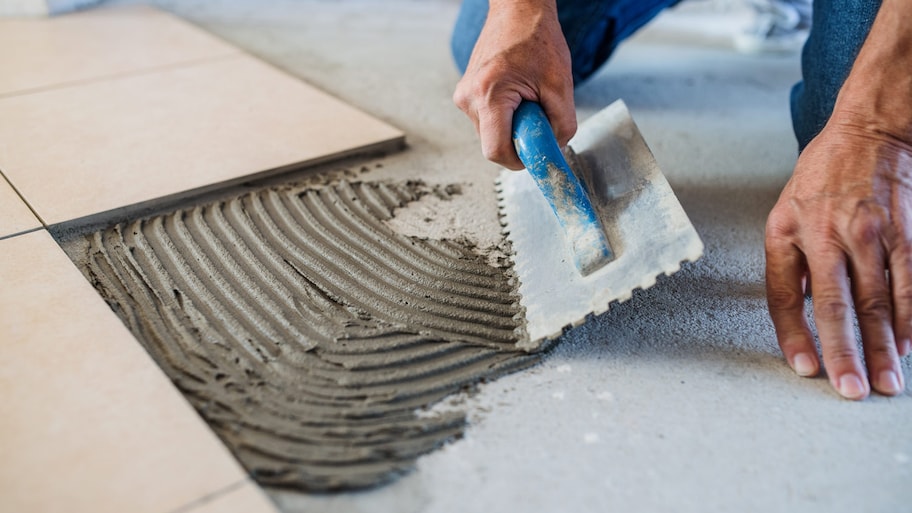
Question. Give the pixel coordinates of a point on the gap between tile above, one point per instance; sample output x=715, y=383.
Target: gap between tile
x=24, y=232
x=77, y=47
x=207, y=500
x=16, y=214
x=114, y=76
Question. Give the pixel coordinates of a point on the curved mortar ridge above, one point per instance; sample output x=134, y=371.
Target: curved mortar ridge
x=306, y=332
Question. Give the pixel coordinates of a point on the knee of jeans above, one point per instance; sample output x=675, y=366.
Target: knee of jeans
x=798, y=117
x=810, y=113
x=588, y=61
x=471, y=18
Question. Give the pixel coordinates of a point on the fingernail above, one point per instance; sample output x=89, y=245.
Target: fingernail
x=851, y=387
x=889, y=382
x=903, y=347
x=804, y=364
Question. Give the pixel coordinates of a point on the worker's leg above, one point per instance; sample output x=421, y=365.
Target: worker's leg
x=593, y=28
x=838, y=30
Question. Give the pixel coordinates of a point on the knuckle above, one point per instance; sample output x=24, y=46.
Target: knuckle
x=841, y=355
x=902, y=295
x=564, y=134
x=794, y=341
x=830, y=309
x=881, y=352
x=478, y=86
x=865, y=230
x=461, y=99
x=490, y=153
x=873, y=307
x=783, y=298
x=498, y=153
x=486, y=83
x=779, y=224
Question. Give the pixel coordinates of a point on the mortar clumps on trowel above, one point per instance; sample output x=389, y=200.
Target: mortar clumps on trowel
x=588, y=225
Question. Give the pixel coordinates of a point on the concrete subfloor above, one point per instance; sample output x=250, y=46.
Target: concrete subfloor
x=678, y=400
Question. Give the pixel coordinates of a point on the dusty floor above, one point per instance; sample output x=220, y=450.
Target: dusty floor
x=677, y=400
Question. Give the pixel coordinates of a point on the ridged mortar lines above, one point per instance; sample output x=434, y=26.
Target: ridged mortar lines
x=306, y=331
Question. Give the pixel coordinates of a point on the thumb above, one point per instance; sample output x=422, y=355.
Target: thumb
x=495, y=128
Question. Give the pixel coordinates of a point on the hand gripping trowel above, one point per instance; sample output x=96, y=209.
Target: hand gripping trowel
x=590, y=225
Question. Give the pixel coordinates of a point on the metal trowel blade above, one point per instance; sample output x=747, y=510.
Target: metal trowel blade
x=650, y=233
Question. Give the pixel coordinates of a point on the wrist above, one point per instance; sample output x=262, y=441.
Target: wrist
x=496, y=5
x=875, y=96
x=523, y=8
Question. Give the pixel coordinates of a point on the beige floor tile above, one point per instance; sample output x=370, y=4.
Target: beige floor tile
x=88, y=422
x=47, y=52
x=87, y=149
x=15, y=216
x=247, y=498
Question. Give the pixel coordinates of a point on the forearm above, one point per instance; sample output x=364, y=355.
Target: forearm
x=877, y=95
x=520, y=19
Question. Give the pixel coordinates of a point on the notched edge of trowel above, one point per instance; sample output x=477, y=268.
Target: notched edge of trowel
x=547, y=341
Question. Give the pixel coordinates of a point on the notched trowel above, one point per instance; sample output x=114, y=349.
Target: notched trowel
x=591, y=224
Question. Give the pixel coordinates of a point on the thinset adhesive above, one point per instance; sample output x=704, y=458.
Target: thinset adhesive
x=307, y=332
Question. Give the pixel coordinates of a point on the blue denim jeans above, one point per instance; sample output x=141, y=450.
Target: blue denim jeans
x=594, y=28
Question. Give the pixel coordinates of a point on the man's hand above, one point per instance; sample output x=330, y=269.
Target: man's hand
x=521, y=54
x=845, y=221
x=843, y=224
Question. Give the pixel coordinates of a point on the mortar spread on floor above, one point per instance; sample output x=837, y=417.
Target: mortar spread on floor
x=306, y=331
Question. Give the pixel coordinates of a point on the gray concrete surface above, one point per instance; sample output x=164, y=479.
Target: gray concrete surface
x=678, y=400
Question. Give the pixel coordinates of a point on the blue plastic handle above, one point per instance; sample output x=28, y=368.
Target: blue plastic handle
x=538, y=150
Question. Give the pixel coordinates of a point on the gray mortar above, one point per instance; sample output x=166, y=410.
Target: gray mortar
x=306, y=331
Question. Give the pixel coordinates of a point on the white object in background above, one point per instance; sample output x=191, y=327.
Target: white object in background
x=41, y=7
x=780, y=26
